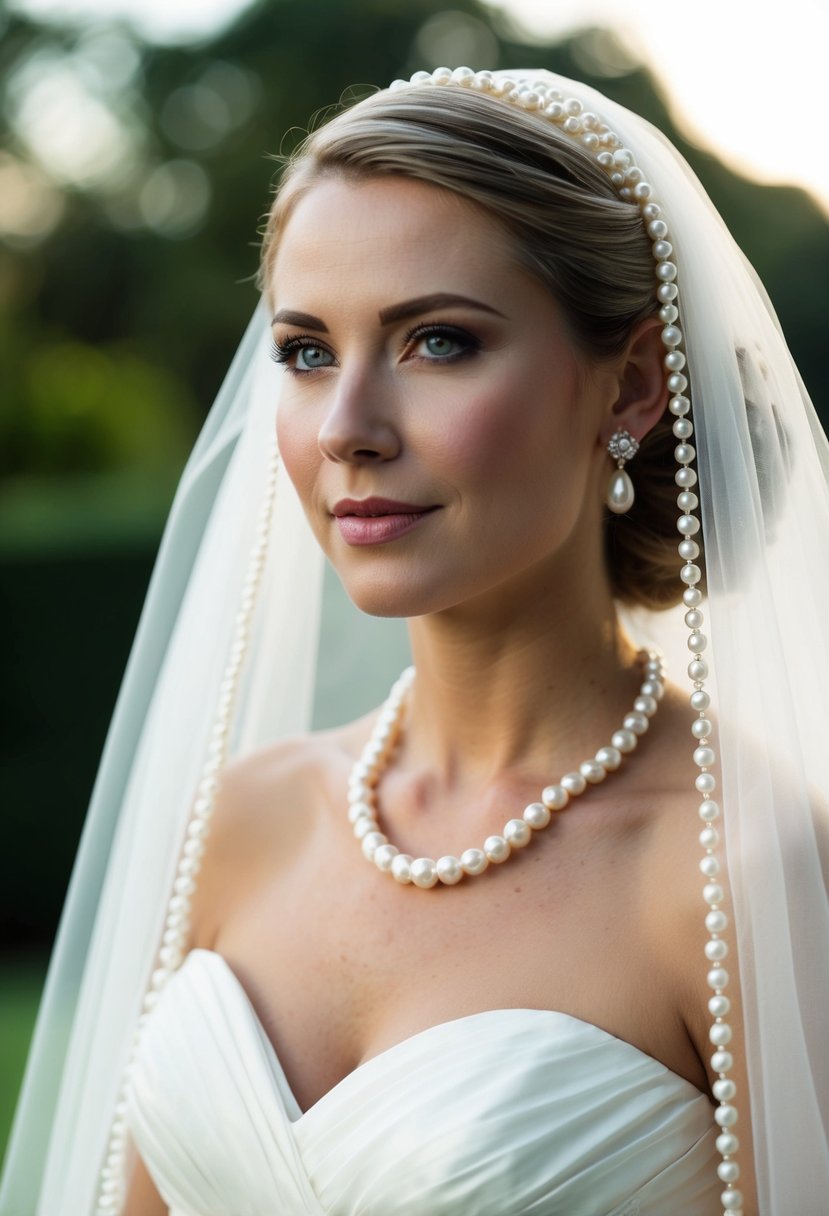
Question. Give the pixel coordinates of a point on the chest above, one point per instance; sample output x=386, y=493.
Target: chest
x=342, y=963
x=511, y=1110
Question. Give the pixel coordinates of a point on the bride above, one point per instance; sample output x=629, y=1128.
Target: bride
x=537, y=935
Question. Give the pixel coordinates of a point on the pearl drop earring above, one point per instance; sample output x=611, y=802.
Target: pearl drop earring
x=622, y=447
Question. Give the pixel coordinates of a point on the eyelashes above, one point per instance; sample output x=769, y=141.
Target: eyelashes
x=292, y=349
x=467, y=343
x=283, y=352
x=280, y=351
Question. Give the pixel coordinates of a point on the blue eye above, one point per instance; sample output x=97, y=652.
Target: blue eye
x=310, y=357
x=442, y=343
x=301, y=355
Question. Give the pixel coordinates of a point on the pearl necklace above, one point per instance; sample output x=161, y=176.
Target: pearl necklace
x=424, y=871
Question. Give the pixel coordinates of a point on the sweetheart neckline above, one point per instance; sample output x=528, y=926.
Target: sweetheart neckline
x=438, y=1027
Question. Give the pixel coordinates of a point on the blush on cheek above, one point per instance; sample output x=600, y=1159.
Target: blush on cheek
x=498, y=435
x=300, y=455
x=301, y=461
x=477, y=438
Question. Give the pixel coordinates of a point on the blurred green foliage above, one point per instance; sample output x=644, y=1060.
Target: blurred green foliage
x=21, y=981
x=90, y=408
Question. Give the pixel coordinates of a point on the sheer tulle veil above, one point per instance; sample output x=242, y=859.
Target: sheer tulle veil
x=763, y=466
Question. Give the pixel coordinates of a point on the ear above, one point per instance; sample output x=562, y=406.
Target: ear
x=642, y=392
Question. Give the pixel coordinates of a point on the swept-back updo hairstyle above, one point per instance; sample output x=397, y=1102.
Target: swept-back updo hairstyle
x=568, y=227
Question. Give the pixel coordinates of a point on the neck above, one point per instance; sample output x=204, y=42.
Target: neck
x=534, y=679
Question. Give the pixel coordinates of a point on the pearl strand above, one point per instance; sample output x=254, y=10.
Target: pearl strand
x=425, y=872
x=177, y=920
x=569, y=115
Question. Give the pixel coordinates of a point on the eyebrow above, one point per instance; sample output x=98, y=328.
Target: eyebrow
x=441, y=299
x=395, y=312
x=304, y=320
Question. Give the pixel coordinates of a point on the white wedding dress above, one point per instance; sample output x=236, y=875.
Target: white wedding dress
x=500, y=1113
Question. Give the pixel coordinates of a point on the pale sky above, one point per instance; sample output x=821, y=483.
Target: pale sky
x=748, y=82
x=747, y=79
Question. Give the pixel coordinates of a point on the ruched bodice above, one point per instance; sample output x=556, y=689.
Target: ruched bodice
x=500, y=1113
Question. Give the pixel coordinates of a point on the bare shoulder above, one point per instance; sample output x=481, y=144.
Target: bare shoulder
x=268, y=806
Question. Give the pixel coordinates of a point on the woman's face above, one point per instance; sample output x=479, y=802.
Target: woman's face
x=440, y=427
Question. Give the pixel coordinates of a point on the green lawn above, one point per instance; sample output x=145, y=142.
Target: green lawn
x=21, y=980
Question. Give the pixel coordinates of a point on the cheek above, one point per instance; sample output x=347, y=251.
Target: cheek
x=485, y=436
x=297, y=440
x=516, y=433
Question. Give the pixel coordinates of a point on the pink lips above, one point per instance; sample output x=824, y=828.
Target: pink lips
x=374, y=521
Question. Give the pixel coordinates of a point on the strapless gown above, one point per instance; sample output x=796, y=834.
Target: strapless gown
x=500, y=1113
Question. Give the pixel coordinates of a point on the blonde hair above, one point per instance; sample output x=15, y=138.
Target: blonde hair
x=568, y=228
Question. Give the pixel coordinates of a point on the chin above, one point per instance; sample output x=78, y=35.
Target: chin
x=403, y=593
x=393, y=601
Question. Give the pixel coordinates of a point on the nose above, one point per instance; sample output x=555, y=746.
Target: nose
x=359, y=424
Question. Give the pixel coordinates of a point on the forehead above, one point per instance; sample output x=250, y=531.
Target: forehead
x=388, y=233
